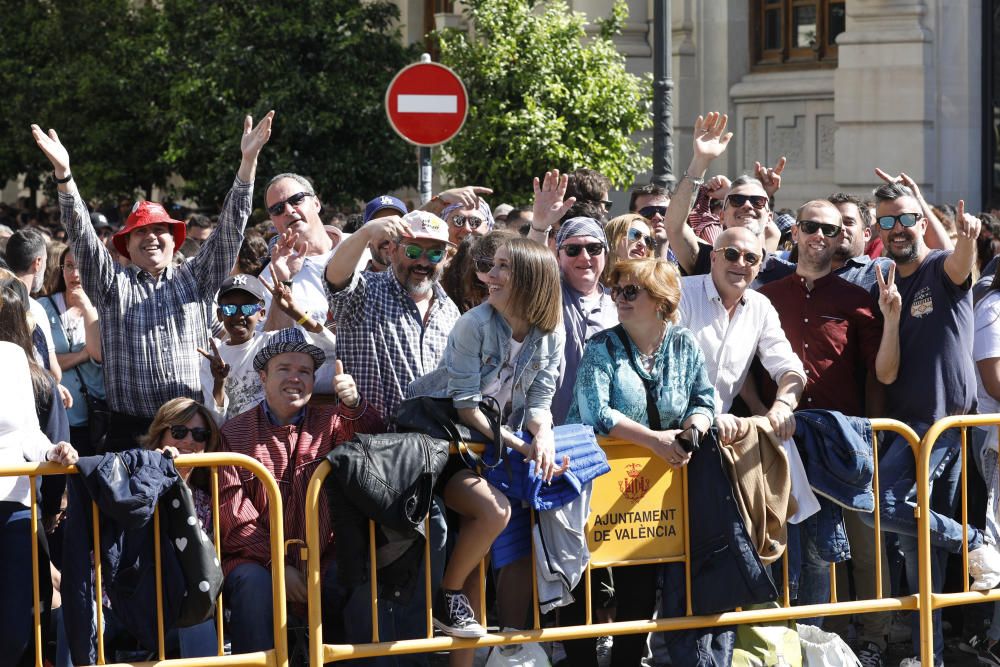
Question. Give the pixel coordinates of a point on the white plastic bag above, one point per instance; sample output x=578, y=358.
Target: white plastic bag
x=518, y=655
x=824, y=649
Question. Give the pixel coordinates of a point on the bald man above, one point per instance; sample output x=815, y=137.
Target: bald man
x=733, y=323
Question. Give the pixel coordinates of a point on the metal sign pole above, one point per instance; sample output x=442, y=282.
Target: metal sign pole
x=425, y=173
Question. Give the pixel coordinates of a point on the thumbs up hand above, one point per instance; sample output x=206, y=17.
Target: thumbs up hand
x=343, y=384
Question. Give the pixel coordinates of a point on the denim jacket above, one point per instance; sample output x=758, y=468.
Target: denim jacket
x=477, y=347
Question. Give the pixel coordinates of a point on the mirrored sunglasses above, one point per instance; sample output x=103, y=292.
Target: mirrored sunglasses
x=247, y=309
x=433, y=255
x=887, y=222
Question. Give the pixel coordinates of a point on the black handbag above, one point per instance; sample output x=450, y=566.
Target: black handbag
x=438, y=418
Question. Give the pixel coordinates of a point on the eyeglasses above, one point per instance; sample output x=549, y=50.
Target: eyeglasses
x=637, y=235
x=629, y=292
x=68, y=267
x=757, y=201
x=198, y=434
x=812, y=226
x=433, y=255
x=649, y=211
x=733, y=255
x=473, y=221
x=247, y=309
x=279, y=207
x=593, y=249
x=906, y=219
x=483, y=264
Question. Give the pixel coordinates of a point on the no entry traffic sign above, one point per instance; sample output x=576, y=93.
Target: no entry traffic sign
x=426, y=104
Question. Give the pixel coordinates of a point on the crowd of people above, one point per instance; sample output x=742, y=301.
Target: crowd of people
x=701, y=325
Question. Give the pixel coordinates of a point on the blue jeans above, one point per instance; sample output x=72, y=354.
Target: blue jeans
x=898, y=498
x=814, y=577
x=198, y=641
x=16, y=620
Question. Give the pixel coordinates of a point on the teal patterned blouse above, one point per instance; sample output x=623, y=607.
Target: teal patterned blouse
x=607, y=387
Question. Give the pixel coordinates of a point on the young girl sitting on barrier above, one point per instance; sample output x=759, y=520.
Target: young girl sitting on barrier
x=508, y=348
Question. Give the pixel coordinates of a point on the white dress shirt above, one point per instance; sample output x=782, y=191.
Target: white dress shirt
x=730, y=344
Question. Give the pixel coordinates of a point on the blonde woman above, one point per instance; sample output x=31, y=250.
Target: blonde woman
x=629, y=237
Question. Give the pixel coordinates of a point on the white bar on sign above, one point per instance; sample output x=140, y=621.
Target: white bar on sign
x=427, y=104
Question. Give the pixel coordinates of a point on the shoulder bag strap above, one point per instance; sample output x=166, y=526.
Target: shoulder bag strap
x=652, y=412
x=75, y=369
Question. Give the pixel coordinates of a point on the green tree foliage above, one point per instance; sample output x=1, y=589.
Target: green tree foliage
x=543, y=94
x=142, y=90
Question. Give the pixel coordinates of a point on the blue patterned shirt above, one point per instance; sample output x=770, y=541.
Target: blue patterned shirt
x=151, y=328
x=607, y=387
x=382, y=340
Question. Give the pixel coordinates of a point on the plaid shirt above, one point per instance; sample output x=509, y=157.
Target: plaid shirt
x=151, y=328
x=381, y=338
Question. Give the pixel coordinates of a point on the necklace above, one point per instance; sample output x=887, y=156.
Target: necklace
x=647, y=360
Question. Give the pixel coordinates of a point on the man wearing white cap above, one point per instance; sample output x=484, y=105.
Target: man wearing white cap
x=392, y=327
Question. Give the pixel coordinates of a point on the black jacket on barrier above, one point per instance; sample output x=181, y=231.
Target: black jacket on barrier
x=725, y=570
x=127, y=487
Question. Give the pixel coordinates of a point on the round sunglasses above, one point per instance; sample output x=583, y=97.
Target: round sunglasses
x=472, y=221
x=733, y=255
x=637, y=235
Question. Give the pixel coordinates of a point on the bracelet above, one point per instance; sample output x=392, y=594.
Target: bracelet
x=66, y=179
x=541, y=231
x=286, y=283
x=781, y=400
x=696, y=182
x=303, y=319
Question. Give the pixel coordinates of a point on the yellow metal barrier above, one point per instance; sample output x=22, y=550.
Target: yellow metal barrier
x=277, y=657
x=929, y=600
x=660, y=494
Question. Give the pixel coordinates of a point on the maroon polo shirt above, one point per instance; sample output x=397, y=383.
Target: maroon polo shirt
x=836, y=333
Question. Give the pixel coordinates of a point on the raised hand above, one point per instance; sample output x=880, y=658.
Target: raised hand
x=288, y=255
x=718, y=187
x=770, y=177
x=53, y=149
x=281, y=298
x=389, y=228
x=254, y=138
x=889, y=300
x=344, y=386
x=967, y=225
x=710, y=136
x=467, y=196
x=902, y=178
x=549, y=206
x=220, y=369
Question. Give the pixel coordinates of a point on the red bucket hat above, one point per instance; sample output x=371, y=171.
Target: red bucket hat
x=148, y=213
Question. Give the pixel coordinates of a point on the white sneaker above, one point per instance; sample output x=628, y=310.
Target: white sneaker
x=984, y=568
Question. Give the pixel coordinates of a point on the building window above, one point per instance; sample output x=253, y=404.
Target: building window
x=795, y=32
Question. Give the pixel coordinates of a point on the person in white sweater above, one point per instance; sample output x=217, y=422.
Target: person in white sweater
x=20, y=440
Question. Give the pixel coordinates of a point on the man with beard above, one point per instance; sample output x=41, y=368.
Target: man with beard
x=849, y=259
x=831, y=326
x=392, y=327
x=936, y=379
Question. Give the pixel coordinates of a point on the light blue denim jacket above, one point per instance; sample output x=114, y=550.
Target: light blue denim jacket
x=477, y=347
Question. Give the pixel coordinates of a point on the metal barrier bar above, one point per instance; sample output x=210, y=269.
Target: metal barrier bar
x=929, y=600
x=321, y=653
x=277, y=657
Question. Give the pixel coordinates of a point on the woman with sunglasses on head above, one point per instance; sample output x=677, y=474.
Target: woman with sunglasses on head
x=629, y=237
x=465, y=278
x=183, y=426
x=644, y=381
x=509, y=349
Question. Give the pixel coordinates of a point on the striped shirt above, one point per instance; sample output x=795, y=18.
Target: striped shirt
x=151, y=328
x=383, y=341
x=706, y=225
x=291, y=453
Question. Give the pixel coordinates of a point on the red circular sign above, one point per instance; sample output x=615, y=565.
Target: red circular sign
x=426, y=104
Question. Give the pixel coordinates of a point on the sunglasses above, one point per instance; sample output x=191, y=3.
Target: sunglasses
x=433, y=255
x=906, y=219
x=811, y=227
x=757, y=201
x=593, y=249
x=733, y=255
x=483, y=264
x=607, y=203
x=296, y=199
x=649, y=211
x=198, y=434
x=473, y=221
x=247, y=309
x=629, y=292
x=637, y=235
